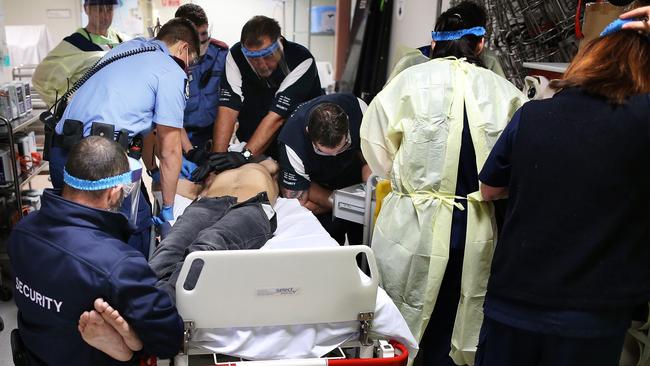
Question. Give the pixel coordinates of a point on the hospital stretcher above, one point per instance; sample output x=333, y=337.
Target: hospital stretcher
x=284, y=287
x=297, y=230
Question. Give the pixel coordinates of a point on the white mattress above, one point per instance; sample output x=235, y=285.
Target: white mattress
x=299, y=228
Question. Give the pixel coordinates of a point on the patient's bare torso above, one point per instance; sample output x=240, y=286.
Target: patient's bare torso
x=243, y=183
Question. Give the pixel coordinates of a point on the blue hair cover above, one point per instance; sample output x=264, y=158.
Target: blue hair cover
x=133, y=175
x=616, y=26
x=457, y=34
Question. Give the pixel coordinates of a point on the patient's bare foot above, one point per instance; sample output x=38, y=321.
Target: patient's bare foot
x=113, y=318
x=101, y=335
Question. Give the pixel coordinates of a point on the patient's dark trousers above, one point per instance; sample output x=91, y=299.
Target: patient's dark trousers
x=211, y=224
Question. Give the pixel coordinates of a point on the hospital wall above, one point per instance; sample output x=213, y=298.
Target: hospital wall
x=227, y=20
x=413, y=21
x=52, y=13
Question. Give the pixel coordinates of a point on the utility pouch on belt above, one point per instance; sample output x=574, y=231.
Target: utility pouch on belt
x=123, y=139
x=73, y=132
x=102, y=130
x=49, y=122
x=135, y=147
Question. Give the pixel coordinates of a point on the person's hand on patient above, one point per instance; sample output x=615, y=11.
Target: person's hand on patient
x=198, y=155
x=218, y=162
x=643, y=24
x=187, y=168
x=166, y=214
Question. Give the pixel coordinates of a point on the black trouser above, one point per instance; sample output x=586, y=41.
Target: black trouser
x=436, y=341
x=211, y=224
x=502, y=345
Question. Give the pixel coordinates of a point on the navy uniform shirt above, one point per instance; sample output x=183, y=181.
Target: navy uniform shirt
x=243, y=91
x=64, y=257
x=201, y=108
x=568, y=323
x=299, y=163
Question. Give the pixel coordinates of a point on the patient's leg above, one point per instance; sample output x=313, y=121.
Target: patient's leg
x=197, y=216
x=245, y=226
x=99, y=334
x=114, y=319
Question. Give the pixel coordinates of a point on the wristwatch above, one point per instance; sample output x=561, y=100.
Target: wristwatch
x=247, y=153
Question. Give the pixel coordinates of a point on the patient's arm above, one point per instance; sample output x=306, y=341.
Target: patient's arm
x=243, y=183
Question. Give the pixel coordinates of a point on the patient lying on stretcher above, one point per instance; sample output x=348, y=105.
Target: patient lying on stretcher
x=232, y=210
x=244, y=225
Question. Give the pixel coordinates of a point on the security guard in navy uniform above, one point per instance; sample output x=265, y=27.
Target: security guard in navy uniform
x=130, y=97
x=267, y=77
x=319, y=152
x=73, y=251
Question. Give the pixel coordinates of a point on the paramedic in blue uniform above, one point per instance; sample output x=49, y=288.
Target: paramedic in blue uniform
x=267, y=77
x=571, y=264
x=73, y=251
x=319, y=152
x=137, y=94
x=205, y=77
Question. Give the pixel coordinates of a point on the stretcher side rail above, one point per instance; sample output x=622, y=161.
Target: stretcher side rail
x=256, y=288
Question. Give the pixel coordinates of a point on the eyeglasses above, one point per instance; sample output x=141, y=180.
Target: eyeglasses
x=346, y=146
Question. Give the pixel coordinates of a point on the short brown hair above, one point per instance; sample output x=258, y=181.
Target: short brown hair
x=193, y=12
x=257, y=27
x=614, y=67
x=327, y=124
x=180, y=29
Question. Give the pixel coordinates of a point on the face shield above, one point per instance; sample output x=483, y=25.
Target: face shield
x=98, y=16
x=129, y=182
x=265, y=61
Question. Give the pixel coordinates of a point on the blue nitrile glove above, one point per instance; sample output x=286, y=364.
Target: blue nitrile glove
x=187, y=168
x=165, y=215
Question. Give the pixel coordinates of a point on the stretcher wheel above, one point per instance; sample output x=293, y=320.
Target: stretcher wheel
x=5, y=294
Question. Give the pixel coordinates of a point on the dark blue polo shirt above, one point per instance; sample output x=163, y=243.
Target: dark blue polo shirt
x=300, y=164
x=243, y=91
x=554, y=321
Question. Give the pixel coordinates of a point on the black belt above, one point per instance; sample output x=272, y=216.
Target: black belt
x=66, y=142
x=73, y=133
x=193, y=129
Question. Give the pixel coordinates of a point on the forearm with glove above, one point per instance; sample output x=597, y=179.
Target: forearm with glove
x=218, y=162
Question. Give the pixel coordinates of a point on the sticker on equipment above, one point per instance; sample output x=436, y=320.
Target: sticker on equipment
x=279, y=291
